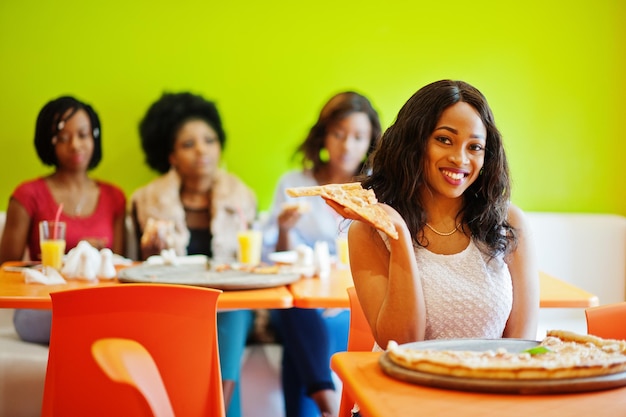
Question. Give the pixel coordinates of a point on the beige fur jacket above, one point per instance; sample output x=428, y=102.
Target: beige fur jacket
x=231, y=198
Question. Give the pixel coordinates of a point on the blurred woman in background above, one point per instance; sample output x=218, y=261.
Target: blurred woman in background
x=68, y=136
x=204, y=206
x=333, y=152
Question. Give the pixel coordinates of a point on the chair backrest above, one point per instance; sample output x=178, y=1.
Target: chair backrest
x=607, y=321
x=175, y=323
x=128, y=362
x=360, y=339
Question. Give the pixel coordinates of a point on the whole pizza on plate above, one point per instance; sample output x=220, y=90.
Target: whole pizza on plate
x=561, y=355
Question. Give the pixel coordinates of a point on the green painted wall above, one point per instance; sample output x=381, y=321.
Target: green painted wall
x=552, y=71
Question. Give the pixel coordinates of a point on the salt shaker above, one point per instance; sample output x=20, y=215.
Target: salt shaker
x=321, y=259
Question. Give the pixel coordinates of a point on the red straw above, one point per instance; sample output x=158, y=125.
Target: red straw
x=56, y=221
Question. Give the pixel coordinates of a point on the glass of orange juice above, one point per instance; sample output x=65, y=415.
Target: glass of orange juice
x=249, y=249
x=343, y=257
x=52, y=243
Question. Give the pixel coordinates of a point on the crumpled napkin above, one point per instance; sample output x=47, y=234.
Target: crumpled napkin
x=87, y=263
x=49, y=276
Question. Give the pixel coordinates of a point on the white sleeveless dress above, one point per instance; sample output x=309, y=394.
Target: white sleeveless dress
x=467, y=295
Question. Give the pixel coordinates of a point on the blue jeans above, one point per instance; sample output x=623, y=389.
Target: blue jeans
x=309, y=338
x=33, y=325
x=232, y=332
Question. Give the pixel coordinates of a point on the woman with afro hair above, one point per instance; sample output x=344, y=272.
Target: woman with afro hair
x=203, y=205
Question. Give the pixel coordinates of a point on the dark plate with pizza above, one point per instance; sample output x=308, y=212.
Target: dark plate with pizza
x=563, y=362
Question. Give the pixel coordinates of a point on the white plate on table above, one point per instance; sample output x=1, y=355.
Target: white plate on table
x=200, y=275
x=180, y=260
x=285, y=257
x=290, y=257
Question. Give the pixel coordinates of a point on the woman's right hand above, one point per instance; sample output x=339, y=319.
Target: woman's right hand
x=288, y=218
x=152, y=247
x=155, y=237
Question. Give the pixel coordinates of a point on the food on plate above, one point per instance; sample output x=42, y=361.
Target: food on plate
x=561, y=354
x=257, y=269
x=355, y=197
x=266, y=269
x=283, y=257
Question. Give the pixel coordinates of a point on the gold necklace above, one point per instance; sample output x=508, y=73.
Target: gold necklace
x=444, y=234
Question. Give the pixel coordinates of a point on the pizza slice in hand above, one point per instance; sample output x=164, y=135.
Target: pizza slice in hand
x=353, y=196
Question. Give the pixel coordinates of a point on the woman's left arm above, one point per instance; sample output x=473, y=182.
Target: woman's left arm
x=524, y=271
x=119, y=234
x=119, y=222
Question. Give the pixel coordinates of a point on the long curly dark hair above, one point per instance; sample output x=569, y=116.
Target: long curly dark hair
x=338, y=107
x=47, y=127
x=166, y=116
x=398, y=166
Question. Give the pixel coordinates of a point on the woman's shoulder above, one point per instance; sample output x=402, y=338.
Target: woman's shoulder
x=34, y=184
x=31, y=188
x=109, y=187
x=230, y=186
x=230, y=179
x=516, y=217
x=297, y=178
x=168, y=183
x=113, y=193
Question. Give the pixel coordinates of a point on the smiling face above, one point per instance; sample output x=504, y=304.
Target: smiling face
x=455, y=151
x=347, y=142
x=196, y=151
x=74, y=143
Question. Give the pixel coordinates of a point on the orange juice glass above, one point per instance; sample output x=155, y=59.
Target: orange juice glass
x=343, y=257
x=52, y=243
x=249, y=250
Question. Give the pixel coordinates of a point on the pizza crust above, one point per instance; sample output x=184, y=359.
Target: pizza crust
x=571, y=356
x=355, y=197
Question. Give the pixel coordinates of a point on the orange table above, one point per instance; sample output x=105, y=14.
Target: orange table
x=557, y=293
x=326, y=293
x=331, y=292
x=381, y=396
x=15, y=293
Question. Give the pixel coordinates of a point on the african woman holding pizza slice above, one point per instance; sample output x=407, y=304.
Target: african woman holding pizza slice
x=463, y=266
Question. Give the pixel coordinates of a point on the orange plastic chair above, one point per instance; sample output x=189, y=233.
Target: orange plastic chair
x=177, y=324
x=607, y=321
x=360, y=339
x=126, y=361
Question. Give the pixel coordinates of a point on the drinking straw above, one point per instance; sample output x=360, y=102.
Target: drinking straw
x=56, y=221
